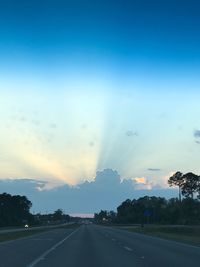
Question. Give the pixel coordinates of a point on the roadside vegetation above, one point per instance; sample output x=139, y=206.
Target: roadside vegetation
x=175, y=218
x=180, y=233
x=16, y=220
x=8, y=236
x=184, y=210
x=15, y=211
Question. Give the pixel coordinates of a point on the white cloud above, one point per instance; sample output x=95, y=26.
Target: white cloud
x=106, y=191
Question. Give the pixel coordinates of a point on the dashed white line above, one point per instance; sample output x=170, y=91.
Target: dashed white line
x=41, y=239
x=127, y=248
x=51, y=249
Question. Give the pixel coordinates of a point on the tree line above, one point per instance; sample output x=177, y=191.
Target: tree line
x=188, y=184
x=15, y=211
x=56, y=217
x=182, y=210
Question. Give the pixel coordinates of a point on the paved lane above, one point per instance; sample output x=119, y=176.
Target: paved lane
x=89, y=247
x=19, y=253
x=103, y=246
x=96, y=246
x=155, y=251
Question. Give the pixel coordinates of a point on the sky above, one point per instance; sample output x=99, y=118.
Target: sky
x=87, y=86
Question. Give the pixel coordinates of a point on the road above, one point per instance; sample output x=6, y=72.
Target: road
x=96, y=246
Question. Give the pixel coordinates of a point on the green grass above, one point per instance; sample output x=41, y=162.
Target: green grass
x=29, y=232
x=186, y=234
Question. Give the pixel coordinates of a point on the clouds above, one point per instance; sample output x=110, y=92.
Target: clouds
x=197, y=133
x=154, y=169
x=106, y=191
x=131, y=133
x=142, y=183
x=197, y=136
x=90, y=129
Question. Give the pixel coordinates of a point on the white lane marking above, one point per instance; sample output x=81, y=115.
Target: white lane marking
x=32, y=264
x=41, y=239
x=127, y=248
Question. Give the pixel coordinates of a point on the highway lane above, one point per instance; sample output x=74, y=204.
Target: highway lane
x=20, y=252
x=96, y=246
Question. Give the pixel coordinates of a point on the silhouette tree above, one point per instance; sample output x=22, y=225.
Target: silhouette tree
x=125, y=211
x=177, y=180
x=174, y=211
x=14, y=210
x=190, y=185
x=154, y=210
x=58, y=215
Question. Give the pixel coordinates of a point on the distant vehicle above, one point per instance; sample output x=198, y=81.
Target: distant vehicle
x=26, y=226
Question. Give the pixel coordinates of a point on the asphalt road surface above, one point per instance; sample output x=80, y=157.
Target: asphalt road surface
x=96, y=246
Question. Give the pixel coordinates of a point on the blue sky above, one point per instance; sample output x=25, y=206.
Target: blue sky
x=91, y=85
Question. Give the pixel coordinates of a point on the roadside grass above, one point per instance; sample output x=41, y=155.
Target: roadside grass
x=186, y=234
x=29, y=232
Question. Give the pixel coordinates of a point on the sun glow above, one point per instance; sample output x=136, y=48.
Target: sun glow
x=61, y=143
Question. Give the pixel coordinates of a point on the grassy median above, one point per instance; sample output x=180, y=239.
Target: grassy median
x=31, y=231
x=186, y=234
